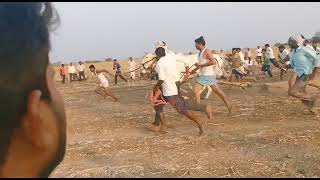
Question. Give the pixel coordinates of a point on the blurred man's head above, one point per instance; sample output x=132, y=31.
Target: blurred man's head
x=62, y=65
x=160, y=52
x=281, y=48
x=32, y=126
x=264, y=51
x=295, y=41
x=266, y=46
x=80, y=62
x=92, y=68
x=130, y=58
x=200, y=43
x=234, y=50
x=71, y=64
x=258, y=47
x=306, y=42
x=114, y=60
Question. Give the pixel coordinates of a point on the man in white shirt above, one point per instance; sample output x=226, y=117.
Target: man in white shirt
x=259, y=55
x=131, y=68
x=166, y=68
x=81, y=69
x=284, y=59
x=72, y=72
x=207, y=76
x=270, y=55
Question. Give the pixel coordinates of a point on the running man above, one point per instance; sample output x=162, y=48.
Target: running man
x=207, y=76
x=166, y=68
x=270, y=55
x=284, y=59
x=131, y=68
x=266, y=67
x=305, y=63
x=237, y=65
x=104, y=84
x=117, y=68
x=259, y=55
x=191, y=105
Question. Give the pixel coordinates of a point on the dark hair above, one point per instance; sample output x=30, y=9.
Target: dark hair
x=264, y=49
x=92, y=66
x=267, y=45
x=114, y=59
x=160, y=52
x=62, y=64
x=200, y=40
x=281, y=46
x=24, y=26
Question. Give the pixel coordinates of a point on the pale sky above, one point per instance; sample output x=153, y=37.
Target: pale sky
x=98, y=30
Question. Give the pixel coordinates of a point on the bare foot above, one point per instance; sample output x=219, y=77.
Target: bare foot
x=154, y=128
x=163, y=130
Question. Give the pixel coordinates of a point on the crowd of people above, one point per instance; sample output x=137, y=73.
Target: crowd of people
x=78, y=73
x=33, y=118
x=75, y=74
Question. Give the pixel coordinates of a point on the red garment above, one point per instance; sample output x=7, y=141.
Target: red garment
x=62, y=71
x=155, y=98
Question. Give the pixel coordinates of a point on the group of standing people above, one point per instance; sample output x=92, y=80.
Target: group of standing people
x=72, y=71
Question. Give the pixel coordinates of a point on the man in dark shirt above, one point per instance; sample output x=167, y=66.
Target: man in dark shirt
x=117, y=67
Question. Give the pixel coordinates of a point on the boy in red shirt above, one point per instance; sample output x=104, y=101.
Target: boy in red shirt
x=63, y=73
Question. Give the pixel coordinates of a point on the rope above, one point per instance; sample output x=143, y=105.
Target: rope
x=141, y=66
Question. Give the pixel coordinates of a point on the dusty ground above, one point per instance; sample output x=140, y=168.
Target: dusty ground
x=269, y=135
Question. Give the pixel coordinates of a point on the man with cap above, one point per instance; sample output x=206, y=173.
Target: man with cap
x=306, y=64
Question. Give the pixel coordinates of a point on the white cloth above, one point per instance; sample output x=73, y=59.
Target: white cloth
x=269, y=51
x=241, y=56
x=71, y=69
x=284, y=54
x=131, y=65
x=81, y=67
x=167, y=71
x=249, y=53
x=218, y=66
x=247, y=63
x=208, y=70
x=310, y=47
x=298, y=39
x=103, y=80
x=259, y=52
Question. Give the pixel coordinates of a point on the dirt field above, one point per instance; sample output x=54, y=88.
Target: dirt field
x=269, y=135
